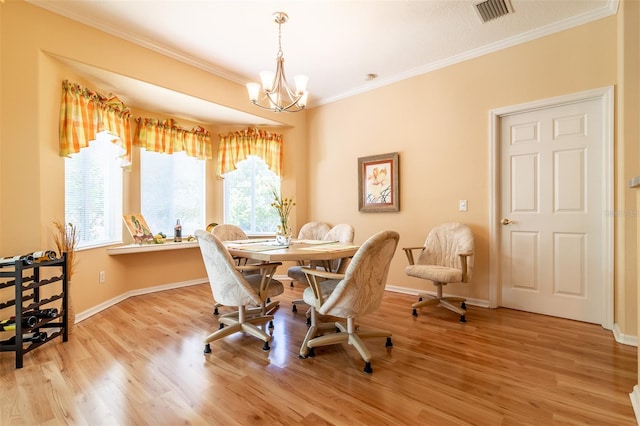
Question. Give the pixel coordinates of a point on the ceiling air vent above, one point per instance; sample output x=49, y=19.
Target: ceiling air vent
x=492, y=9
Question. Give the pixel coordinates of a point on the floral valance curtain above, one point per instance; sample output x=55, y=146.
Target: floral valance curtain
x=237, y=146
x=167, y=137
x=84, y=113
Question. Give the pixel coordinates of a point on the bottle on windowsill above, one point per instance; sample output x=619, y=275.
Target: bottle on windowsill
x=177, y=232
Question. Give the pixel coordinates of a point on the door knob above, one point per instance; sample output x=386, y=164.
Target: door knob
x=506, y=221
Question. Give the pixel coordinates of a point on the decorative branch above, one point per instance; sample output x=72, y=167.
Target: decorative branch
x=65, y=238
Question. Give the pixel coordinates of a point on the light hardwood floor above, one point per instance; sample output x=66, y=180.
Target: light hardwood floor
x=141, y=362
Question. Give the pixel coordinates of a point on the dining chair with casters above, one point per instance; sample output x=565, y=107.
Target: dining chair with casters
x=311, y=231
x=350, y=296
x=228, y=232
x=445, y=258
x=241, y=286
x=342, y=233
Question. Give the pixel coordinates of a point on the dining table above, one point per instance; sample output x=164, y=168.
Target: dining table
x=267, y=250
x=301, y=251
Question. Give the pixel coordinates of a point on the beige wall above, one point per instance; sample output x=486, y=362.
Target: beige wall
x=628, y=153
x=627, y=168
x=439, y=125
x=438, y=122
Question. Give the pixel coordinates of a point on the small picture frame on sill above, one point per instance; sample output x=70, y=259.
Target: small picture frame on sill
x=378, y=186
x=138, y=228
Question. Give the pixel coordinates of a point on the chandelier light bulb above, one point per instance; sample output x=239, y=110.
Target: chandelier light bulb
x=301, y=83
x=254, y=91
x=267, y=78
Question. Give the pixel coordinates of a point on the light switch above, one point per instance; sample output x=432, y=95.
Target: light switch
x=462, y=205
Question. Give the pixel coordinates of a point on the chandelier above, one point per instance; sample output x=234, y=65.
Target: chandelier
x=277, y=96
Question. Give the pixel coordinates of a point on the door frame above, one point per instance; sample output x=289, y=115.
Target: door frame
x=606, y=96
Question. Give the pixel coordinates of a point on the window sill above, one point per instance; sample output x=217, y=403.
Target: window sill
x=145, y=248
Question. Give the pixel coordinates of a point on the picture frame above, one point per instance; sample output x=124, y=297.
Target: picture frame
x=378, y=184
x=138, y=228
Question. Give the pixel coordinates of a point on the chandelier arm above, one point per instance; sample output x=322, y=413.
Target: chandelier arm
x=288, y=108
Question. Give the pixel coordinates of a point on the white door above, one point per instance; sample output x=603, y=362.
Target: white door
x=552, y=215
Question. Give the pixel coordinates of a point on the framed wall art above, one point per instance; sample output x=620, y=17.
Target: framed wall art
x=378, y=186
x=138, y=228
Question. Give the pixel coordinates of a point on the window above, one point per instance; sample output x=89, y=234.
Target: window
x=248, y=196
x=172, y=187
x=93, y=192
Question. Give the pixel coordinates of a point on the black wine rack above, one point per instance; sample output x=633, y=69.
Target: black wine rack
x=24, y=277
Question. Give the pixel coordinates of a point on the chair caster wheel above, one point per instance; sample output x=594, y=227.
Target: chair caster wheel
x=271, y=327
x=221, y=327
x=415, y=312
x=308, y=321
x=266, y=347
x=463, y=305
x=463, y=318
x=419, y=299
x=291, y=284
x=311, y=353
x=294, y=308
x=367, y=368
x=215, y=311
x=389, y=343
x=207, y=349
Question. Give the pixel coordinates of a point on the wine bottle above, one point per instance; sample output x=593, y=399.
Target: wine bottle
x=27, y=320
x=177, y=232
x=10, y=324
x=42, y=313
x=36, y=337
x=27, y=259
x=40, y=336
x=39, y=256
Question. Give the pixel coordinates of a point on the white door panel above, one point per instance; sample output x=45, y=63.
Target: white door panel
x=551, y=192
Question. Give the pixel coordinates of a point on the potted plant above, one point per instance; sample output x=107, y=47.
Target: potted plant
x=283, y=206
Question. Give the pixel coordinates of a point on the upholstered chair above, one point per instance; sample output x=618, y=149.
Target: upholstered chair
x=342, y=233
x=311, y=231
x=239, y=286
x=445, y=258
x=228, y=232
x=350, y=296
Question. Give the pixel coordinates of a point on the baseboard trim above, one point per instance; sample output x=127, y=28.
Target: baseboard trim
x=635, y=402
x=109, y=303
x=625, y=339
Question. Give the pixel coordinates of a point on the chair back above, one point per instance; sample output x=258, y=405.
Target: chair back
x=313, y=231
x=228, y=232
x=228, y=285
x=362, y=288
x=342, y=232
x=445, y=243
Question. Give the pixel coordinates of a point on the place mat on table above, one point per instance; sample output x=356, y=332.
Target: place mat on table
x=313, y=242
x=256, y=247
x=250, y=241
x=330, y=247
